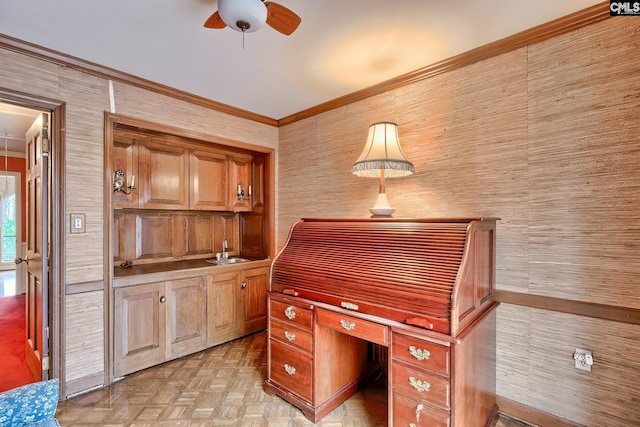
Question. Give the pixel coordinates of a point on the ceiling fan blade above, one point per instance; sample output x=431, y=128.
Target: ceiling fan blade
x=281, y=19
x=215, y=21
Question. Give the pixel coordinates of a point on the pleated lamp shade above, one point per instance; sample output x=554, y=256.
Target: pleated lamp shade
x=382, y=157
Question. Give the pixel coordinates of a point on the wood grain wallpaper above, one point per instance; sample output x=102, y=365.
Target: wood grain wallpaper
x=545, y=137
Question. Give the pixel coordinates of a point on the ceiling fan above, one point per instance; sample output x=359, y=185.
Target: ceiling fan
x=249, y=15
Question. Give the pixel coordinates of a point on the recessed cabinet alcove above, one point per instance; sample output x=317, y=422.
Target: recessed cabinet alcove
x=173, y=199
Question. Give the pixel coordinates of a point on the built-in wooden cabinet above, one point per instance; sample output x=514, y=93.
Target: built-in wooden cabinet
x=181, y=199
x=182, y=176
x=158, y=321
x=237, y=304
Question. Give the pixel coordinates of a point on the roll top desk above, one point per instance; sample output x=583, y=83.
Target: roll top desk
x=342, y=289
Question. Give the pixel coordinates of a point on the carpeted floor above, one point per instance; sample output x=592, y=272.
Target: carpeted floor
x=13, y=369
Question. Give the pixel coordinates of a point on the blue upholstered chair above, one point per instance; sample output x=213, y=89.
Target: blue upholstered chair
x=30, y=405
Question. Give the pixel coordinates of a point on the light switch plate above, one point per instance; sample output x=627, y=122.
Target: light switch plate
x=77, y=223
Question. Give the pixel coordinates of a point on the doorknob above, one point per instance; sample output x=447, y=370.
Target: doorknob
x=26, y=259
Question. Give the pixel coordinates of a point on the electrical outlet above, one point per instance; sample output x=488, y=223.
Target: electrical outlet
x=583, y=359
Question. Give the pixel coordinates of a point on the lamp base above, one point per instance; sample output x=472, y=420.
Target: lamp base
x=382, y=207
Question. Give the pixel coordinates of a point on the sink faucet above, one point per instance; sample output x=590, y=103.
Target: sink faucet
x=225, y=254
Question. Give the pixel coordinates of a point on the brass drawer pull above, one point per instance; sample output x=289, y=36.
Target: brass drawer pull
x=290, y=313
x=349, y=326
x=289, y=335
x=419, y=353
x=290, y=369
x=419, y=385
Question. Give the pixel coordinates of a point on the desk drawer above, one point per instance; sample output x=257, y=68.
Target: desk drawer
x=291, y=368
x=369, y=331
x=421, y=386
x=420, y=353
x=290, y=334
x=409, y=413
x=290, y=313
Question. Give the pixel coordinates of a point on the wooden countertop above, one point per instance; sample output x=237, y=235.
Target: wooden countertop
x=138, y=274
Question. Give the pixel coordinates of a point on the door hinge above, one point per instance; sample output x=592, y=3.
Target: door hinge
x=46, y=332
x=45, y=145
x=45, y=363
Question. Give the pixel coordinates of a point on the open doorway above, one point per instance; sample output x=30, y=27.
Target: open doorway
x=14, y=122
x=11, y=279
x=19, y=114
x=10, y=219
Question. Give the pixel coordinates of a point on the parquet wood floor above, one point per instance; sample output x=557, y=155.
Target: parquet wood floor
x=221, y=386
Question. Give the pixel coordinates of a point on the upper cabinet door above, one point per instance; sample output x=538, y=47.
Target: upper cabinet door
x=208, y=177
x=240, y=185
x=164, y=176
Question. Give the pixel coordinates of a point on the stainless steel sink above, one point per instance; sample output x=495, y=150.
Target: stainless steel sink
x=233, y=260
x=228, y=261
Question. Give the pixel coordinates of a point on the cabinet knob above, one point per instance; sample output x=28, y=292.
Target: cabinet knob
x=244, y=285
x=163, y=299
x=289, y=335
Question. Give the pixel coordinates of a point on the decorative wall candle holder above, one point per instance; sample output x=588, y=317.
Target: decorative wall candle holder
x=119, y=182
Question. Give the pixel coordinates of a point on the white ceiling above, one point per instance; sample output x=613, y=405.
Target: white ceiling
x=340, y=47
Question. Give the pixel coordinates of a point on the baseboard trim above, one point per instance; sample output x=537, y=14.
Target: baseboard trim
x=531, y=415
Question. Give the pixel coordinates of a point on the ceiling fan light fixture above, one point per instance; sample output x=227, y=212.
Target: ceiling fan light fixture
x=243, y=15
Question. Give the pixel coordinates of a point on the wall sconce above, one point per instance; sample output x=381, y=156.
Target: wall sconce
x=240, y=192
x=382, y=156
x=119, y=182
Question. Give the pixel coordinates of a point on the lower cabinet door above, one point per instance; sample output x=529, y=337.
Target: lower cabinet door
x=291, y=368
x=156, y=322
x=252, y=293
x=222, y=312
x=139, y=327
x=410, y=413
x=186, y=325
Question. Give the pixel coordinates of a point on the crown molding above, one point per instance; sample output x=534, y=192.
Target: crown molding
x=537, y=34
x=64, y=60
